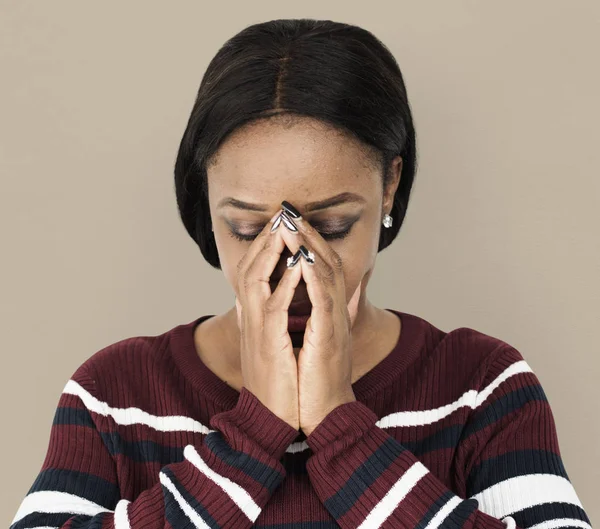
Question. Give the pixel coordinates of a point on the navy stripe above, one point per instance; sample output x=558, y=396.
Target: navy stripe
x=173, y=512
x=80, y=521
x=41, y=519
x=85, y=522
x=363, y=477
x=511, y=464
x=447, y=437
x=502, y=407
x=434, y=509
x=270, y=478
x=76, y=416
x=191, y=500
x=460, y=514
x=80, y=484
x=549, y=511
x=142, y=451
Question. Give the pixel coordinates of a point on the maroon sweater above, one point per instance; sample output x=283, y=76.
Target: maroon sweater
x=450, y=430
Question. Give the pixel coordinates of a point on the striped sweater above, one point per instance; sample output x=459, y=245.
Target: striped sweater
x=450, y=430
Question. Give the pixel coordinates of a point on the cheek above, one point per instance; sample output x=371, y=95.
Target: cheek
x=358, y=254
x=357, y=259
x=359, y=249
x=230, y=254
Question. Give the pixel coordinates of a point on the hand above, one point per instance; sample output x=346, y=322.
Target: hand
x=268, y=365
x=324, y=361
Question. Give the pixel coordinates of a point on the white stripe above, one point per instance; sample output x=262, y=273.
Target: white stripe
x=514, y=369
x=558, y=523
x=522, y=492
x=52, y=502
x=238, y=494
x=128, y=416
x=121, y=515
x=423, y=417
x=194, y=517
x=470, y=398
x=443, y=513
x=176, y=423
x=394, y=496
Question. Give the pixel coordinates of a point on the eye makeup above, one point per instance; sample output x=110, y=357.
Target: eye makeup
x=327, y=231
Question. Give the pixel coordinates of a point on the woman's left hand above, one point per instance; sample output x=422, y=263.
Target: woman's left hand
x=325, y=360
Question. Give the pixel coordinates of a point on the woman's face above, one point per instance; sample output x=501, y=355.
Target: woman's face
x=307, y=163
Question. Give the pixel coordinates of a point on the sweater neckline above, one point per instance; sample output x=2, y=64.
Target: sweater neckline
x=206, y=382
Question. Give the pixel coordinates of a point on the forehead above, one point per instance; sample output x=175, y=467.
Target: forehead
x=303, y=160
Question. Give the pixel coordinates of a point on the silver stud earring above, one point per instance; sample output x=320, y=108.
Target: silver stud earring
x=387, y=220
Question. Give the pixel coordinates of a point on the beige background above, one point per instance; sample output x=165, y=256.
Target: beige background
x=502, y=234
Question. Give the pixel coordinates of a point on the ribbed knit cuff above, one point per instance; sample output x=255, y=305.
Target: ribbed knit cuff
x=349, y=420
x=255, y=422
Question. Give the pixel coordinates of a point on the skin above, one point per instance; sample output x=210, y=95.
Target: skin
x=303, y=161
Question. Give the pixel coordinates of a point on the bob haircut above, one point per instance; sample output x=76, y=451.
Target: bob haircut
x=338, y=73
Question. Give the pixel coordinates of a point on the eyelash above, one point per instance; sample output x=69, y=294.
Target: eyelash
x=327, y=236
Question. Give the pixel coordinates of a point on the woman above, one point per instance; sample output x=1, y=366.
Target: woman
x=304, y=404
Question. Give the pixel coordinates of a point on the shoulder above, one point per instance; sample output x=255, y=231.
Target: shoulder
x=490, y=359
x=468, y=354
x=125, y=372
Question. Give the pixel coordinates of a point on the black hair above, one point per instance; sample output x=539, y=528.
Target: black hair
x=338, y=73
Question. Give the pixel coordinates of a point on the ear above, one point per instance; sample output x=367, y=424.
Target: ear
x=390, y=190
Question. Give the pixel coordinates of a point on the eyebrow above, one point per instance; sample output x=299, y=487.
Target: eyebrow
x=342, y=198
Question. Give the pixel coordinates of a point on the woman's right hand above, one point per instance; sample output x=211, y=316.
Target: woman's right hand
x=268, y=364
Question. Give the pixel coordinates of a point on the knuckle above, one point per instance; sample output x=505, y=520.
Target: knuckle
x=329, y=275
x=246, y=280
x=241, y=263
x=336, y=262
x=328, y=303
x=270, y=306
x=241, y=268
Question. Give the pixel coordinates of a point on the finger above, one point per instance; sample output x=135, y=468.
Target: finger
x=279, y=303
x=256, y=246
x=323, y=283
x=315, y=242
x=258, y=278
x=327, y=277
x=257, y=265
x=326, y=310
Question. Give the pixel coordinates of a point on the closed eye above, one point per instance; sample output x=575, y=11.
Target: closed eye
x=328, y=236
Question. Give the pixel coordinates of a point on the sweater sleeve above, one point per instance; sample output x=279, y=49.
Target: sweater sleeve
x=225, y=482
x=513, y=475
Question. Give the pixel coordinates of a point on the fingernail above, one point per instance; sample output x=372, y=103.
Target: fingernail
x=276, y=223
x=290, y=210
x=291, y=261
x=308, y=255
x=288, y=223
